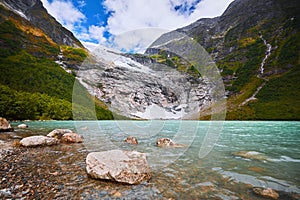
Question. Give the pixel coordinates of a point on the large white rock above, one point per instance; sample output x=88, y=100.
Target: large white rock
x=38, y=140
x=129, y=167
x=22, y=126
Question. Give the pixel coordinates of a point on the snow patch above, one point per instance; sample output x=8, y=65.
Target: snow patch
x=18, y=12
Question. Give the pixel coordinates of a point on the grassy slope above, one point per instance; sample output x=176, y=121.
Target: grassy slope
x=32, y=85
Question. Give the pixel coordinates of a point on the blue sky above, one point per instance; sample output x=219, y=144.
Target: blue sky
x=97, y=22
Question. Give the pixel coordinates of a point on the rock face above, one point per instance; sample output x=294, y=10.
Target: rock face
x=34, y=12
x=131, y=140
x=5, y=126
x=130, y=167
x=167, y=142
x=146, y=91
x=22, y=126
x=71, y=138
x=268, y=193
x=39, y=140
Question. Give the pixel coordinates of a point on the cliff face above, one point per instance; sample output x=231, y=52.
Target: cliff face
x=34, y=12
x=255, y=45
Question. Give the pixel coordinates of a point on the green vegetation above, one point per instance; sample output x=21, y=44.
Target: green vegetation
x=32, y=85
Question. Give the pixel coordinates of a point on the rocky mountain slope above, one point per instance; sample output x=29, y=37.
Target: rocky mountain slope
x=37, y=61
x=255, y=45
x=33, y=11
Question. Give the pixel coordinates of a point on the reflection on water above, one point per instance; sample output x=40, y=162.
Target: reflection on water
x=179, y=173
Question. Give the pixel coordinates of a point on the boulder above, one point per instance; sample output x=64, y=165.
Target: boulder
x=130, y=167
x=58, y=133
x=5, y=126
x=266, y=192
x=38, y=140
x=22, y=126
x=71, y=138
x=131, y=140
x=167, y=142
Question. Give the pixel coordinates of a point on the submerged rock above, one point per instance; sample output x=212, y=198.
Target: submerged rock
x=38, y=140
x=130, y=167
x=266, y=192
x=71, y=138
x=253, y=155
x=5, y=126
x=131, y=140
x=58, y=133
x=22, y=126
x=167, y=142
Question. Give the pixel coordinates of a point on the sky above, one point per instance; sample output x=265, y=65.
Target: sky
x=98, y=22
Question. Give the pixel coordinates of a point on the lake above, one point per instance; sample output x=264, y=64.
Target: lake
x=209, y=166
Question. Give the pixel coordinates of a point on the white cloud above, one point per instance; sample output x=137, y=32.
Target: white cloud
x=129, y=15
x=135, y=14
x=210, y=8
x=65, y=13
x=70, y=17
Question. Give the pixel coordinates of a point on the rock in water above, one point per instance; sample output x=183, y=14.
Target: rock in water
x=266, y=192
x=253, y=155
x=22, y=126
x=5, y=126
x=167, y=142
x=130, y=167
x=71, y=138
x=131, y=140
x=38, y=140
x=58, y=133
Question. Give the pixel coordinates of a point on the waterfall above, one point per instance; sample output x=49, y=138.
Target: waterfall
x=268, y=53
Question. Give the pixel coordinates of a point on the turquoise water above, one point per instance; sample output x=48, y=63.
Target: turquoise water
x=206, y=167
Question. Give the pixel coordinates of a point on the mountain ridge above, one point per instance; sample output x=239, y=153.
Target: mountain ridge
x=238, y=41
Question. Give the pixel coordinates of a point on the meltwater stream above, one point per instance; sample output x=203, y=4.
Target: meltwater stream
x=179, y=173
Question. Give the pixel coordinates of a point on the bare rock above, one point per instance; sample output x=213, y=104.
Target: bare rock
x=5, y=126
x=167, y=142
x=38, y=140
x=22, y=126
x=266, y=192
x=130, y=167
x=131, y=140
x=58, y=133
x=71, y=138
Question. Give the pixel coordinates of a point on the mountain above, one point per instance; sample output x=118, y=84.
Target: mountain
x=255, y=45
x=37, y=61
x=33, y=11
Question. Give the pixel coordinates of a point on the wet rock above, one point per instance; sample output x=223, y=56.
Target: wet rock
x=131, y=140
x=22, y=126
x=71, y=138
x=58, y=133
x=38, y=140
x=167, y=142
x=5, y=126
x=130, y=167
x=266, y=192
x=253, y=155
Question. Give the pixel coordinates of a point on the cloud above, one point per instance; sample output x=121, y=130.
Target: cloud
x=71, y=18
x=92, y=34
x=129, y=15
x=65, y=13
